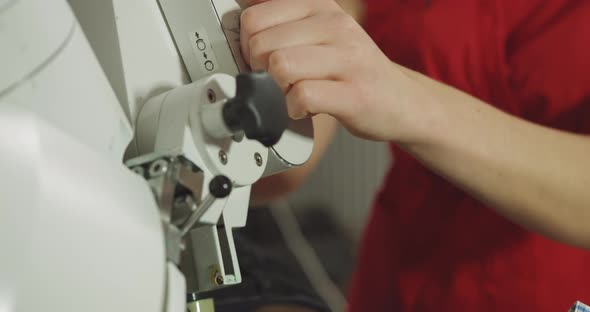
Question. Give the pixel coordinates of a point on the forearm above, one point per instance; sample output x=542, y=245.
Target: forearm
x=270, y=189
x=536, y=176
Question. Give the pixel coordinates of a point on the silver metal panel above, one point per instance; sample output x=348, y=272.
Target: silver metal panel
x=197, y=30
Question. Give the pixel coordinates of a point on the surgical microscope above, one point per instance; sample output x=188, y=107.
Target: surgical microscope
x=131, y=132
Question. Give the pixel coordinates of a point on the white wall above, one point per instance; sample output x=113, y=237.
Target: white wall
x=345, y=181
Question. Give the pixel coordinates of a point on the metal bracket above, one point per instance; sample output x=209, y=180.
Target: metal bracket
x=177, y=185
x=205, y=253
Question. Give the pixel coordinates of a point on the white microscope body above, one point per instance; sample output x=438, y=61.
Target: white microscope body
x=127, y=152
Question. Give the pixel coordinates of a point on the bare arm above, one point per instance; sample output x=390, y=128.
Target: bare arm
x=536, y=176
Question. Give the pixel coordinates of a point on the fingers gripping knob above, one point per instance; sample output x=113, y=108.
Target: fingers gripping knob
x=259, y=108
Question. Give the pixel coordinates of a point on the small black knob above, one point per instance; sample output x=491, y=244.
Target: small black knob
x=220, y=186
x=259, y=108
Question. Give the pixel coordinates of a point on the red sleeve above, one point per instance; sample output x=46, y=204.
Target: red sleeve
x=377, y=13
x=548, y=52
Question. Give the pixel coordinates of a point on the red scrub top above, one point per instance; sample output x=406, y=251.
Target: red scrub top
x=429, y=246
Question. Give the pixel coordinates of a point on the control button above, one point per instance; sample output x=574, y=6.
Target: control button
x=209, y=66
x=201, y=44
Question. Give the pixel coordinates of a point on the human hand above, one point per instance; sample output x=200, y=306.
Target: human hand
x=326, y=63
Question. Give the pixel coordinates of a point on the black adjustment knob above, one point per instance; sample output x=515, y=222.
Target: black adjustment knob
x=220, y=186
x=259, y=108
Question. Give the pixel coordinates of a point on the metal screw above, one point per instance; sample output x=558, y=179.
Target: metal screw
x=158, y=167
x=258, y=159
x=219, y=279
x=211, y=95
x=223, y=157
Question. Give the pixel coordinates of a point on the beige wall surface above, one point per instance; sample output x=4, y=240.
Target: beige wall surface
x=345, y=181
